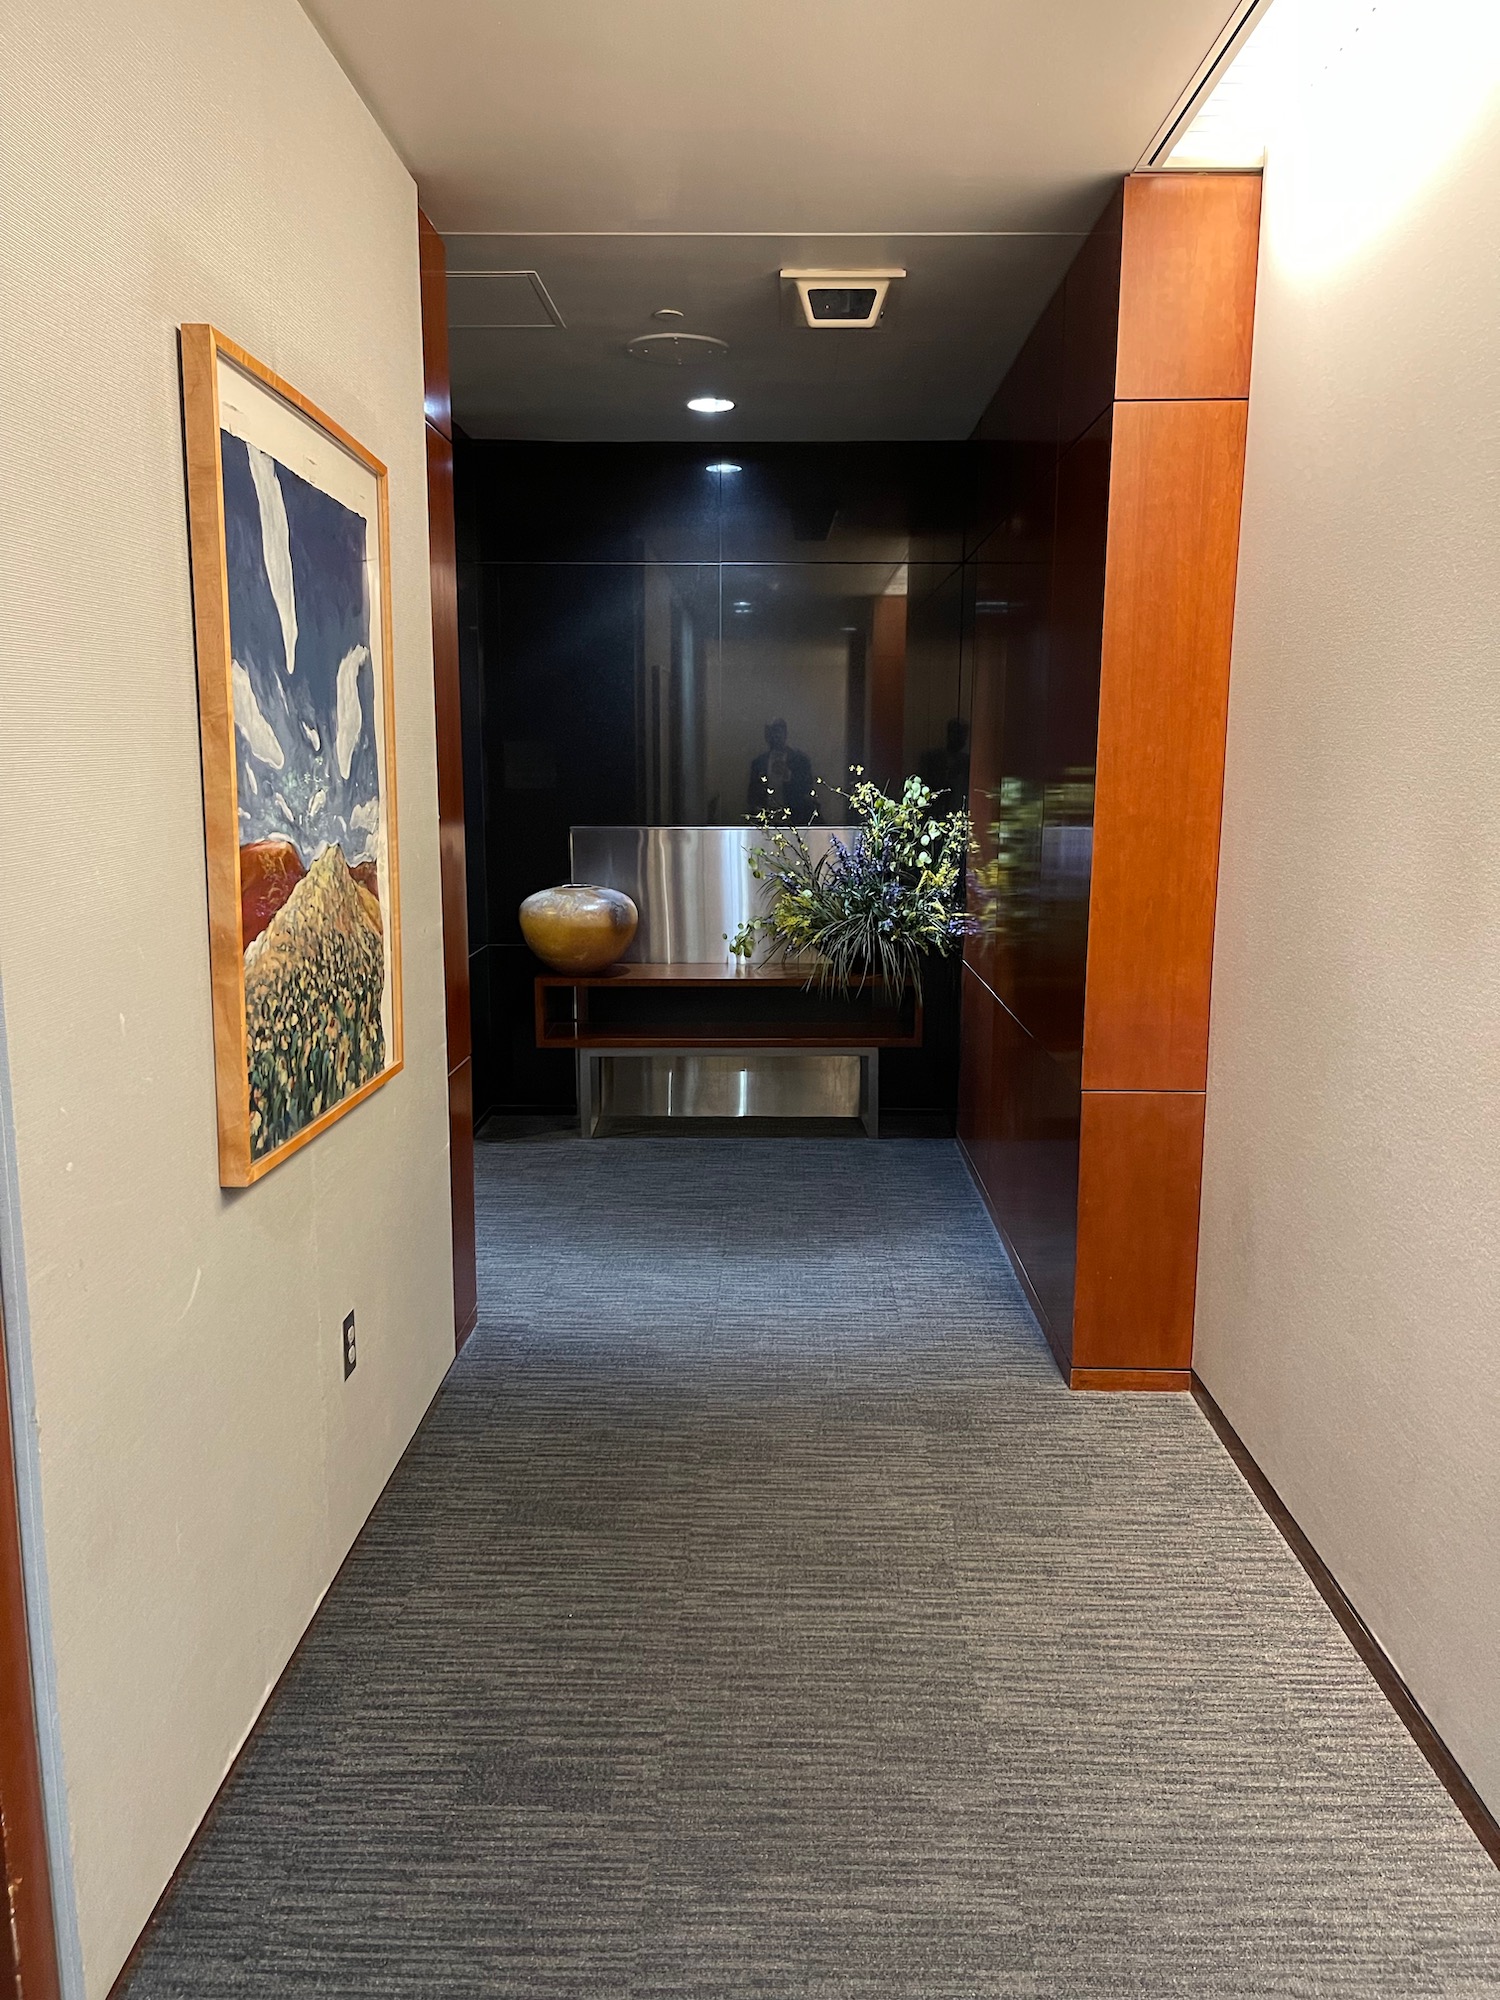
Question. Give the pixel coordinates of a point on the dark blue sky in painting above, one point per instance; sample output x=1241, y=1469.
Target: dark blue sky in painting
x=304, y=685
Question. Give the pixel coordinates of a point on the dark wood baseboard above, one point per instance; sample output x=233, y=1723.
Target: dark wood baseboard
x=471, y=1320
x=1482, y=1822
x=1179, y=1379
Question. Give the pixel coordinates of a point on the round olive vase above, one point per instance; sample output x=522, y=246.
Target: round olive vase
x=578, y=927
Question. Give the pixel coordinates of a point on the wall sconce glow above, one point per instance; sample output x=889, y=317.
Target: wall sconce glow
x=710, y=406
x=1356, y=104
x=723, y=465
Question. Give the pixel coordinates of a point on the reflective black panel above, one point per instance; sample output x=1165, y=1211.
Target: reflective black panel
x=664, y=637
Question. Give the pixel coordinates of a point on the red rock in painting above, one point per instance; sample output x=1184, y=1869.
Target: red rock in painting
x=269, y=871
x=367, y=875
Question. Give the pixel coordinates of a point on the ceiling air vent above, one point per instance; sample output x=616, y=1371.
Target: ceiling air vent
x=499, y=301
x=842, y=298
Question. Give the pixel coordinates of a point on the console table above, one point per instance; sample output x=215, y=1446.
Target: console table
x=732, y=1010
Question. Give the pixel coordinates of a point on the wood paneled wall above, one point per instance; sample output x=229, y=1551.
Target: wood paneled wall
x=1102, y=671
x=450, y=771
x=28, y=1945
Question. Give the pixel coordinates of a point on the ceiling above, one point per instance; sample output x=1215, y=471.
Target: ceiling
x=677, y=154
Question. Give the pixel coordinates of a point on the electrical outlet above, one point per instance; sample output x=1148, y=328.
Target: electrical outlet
x=349, y=1353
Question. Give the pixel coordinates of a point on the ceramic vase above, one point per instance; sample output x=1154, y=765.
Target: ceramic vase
x=578, y=926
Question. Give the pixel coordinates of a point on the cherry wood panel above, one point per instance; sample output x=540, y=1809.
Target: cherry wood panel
x=1168, y=617
x=1018, y=1128
x=1187, y=285
x=461, y=1167
x=1139, y=1168
x=450, y=771
x=1150, y=1379
x=718, y=1007
x=28, y=1959
x=1091, y=318
x=681, y=972
x=1025, y=407
x=450, y=747
x=433, y=265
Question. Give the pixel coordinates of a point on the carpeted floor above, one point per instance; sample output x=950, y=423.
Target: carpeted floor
x=757, y=1615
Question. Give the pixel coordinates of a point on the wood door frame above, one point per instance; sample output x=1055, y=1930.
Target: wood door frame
x=32, y=1972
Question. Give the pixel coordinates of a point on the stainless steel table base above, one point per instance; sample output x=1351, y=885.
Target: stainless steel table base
x=590, y=1093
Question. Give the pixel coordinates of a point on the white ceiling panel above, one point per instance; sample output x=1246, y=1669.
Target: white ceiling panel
x=673, y=153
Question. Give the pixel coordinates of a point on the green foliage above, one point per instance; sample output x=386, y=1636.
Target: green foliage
x=874, y=908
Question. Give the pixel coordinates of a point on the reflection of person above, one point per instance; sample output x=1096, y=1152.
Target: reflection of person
x=947, y=770
x=781, y=779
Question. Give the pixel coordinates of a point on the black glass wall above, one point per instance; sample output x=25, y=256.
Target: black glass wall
x=661, y=636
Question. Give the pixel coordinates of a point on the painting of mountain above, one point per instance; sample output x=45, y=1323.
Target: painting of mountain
x=313, y=981
x=308, y=781
x=288, y=523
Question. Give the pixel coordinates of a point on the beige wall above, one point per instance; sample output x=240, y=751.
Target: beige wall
x=1349, y=1289
x=203, y=1465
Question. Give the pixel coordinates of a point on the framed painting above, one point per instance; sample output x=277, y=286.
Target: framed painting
x=290, y=540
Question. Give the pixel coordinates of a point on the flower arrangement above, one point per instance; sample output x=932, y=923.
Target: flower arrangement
x=873, y=908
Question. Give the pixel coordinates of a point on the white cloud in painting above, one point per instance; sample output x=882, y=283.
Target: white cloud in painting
x=259, y=736
x=276, y=542
x=349, y=719
x=313, y=737
x=365, y=819
x=317, y=802
x=287, y=813
x=253, y=780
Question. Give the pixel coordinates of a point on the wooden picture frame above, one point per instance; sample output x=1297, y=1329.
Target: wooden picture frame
x=292, y=611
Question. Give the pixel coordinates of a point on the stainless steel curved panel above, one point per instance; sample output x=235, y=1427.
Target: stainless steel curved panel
x=770, y=1085
x=691, y=884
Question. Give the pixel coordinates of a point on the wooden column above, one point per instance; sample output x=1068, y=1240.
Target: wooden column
x=1113, y=456
x=441, y=536
x=1182, y=379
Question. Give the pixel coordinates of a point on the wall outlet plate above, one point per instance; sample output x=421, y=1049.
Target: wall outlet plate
x=349, y=1349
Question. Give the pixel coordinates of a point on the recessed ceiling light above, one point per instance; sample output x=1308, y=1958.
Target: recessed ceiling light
x=743, y=604
x=710, y=406
x=723, y=465
x=666, y=312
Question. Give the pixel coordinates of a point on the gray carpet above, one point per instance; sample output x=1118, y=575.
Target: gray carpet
x=757, y=1615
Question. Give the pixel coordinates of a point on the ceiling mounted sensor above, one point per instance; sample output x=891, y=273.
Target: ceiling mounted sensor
x=842, y=298
x=674, y=350
x=499, y=301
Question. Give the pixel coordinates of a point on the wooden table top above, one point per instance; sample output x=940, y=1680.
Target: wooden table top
x=687, y=974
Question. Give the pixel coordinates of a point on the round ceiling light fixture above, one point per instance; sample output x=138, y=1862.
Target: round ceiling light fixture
x=666, y=312
x=672, y=350
x=710, y=406
x=723, y=465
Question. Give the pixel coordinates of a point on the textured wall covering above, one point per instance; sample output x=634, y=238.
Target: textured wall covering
x=1349, y=1289
x=203, y=1465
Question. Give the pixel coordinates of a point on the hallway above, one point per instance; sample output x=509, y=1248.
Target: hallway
x=757, y=1614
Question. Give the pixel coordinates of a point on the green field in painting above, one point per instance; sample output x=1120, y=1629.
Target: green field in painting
x=313, y=985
